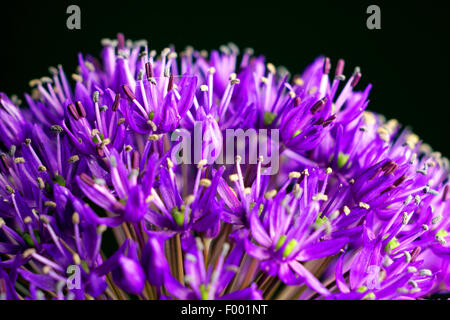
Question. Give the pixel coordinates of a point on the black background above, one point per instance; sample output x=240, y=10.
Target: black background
x=406, y=61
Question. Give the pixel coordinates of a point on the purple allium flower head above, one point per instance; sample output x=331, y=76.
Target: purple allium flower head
x=148, y=175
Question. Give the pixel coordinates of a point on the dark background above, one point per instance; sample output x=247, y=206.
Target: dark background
x=406, y=61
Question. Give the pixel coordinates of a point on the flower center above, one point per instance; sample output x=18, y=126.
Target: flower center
x=178, y=215
x=290, y=246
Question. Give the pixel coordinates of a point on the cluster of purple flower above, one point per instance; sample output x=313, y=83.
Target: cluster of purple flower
x=93, y=207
